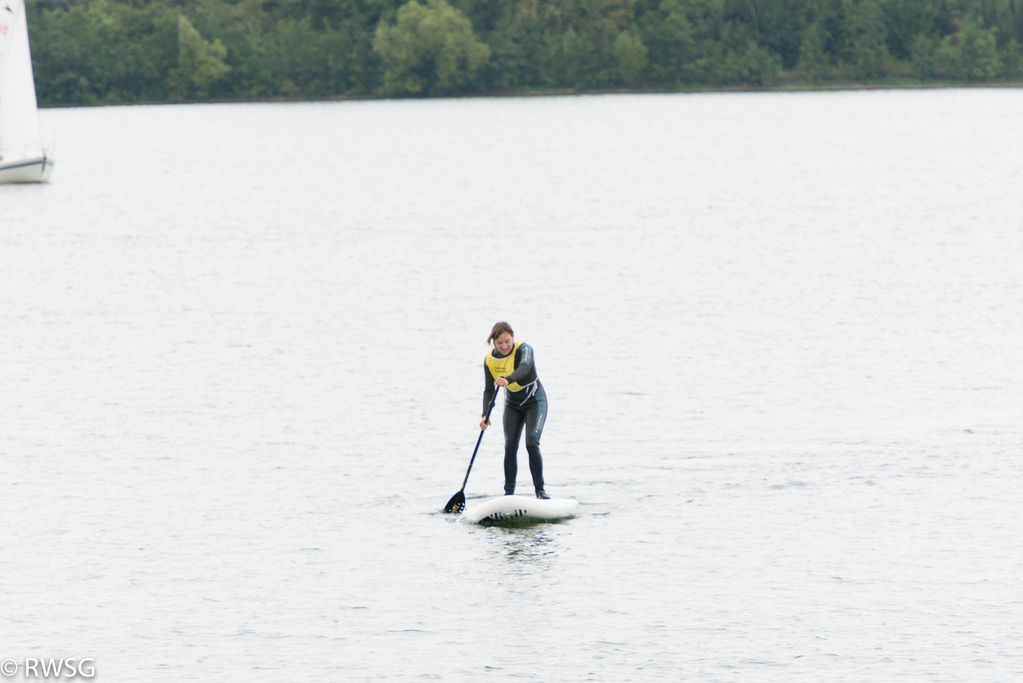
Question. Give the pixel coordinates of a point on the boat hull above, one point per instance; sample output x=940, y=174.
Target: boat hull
x=26, y=171
x=506, y=509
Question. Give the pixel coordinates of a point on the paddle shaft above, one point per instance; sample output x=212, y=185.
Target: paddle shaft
x=478, y=441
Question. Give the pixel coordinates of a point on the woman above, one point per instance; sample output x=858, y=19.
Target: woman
x=511, y=365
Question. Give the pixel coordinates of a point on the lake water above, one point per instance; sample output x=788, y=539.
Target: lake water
x=780, y=333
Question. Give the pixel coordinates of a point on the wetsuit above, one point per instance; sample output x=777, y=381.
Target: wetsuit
x=525, y=405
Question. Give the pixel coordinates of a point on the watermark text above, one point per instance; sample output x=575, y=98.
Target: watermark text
x=40, y=668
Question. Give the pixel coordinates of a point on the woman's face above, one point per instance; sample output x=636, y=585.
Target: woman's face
x=505, y=343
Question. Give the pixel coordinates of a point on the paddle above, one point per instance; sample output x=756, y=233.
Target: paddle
x=457, y=502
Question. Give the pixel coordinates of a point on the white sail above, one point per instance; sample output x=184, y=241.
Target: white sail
x=22, y=157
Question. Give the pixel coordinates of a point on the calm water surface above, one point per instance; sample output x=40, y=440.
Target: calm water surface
x=780, y=334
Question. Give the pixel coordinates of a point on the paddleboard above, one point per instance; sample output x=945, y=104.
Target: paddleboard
x=520, y=508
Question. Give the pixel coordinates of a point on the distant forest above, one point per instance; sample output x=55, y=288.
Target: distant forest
x=94, y=51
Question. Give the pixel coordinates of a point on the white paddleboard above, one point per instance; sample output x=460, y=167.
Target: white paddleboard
x=520, y=508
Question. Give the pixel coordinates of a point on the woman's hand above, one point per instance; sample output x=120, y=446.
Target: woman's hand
x=484, y=423
x=500, y=382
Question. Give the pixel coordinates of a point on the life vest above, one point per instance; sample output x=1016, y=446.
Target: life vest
x=502, y=367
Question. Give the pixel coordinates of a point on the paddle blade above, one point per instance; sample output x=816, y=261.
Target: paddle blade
x=456, y=504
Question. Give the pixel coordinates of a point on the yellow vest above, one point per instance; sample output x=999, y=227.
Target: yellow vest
x=502, y=367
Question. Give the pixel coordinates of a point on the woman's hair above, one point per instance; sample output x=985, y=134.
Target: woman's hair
x=499, y=329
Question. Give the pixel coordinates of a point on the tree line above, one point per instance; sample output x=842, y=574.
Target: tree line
x=89, y=51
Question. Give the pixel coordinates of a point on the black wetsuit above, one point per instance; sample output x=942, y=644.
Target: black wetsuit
x=526, y=407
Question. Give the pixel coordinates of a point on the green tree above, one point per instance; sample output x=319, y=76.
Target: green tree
x=753, y=66
x=907, y=19
x=68, y=51
x=146, y=47
x=200, y=63
x=867, y=50
x=970, y=54
x=133, y=50
x=774, y=25
x=812, y=59
x=515, y=33
x=104, y=51
x=922, y=57
x=671, y=40
x=570, y=59
x=1011, y=58
x=632, y=56
x=431, y=49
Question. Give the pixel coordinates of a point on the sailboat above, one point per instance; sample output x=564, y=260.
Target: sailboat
x=22, y=157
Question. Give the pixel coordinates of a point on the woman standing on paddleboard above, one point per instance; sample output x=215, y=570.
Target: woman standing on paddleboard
x=511, y=365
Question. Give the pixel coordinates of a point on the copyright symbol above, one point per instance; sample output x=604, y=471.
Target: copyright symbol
x=8, y=667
